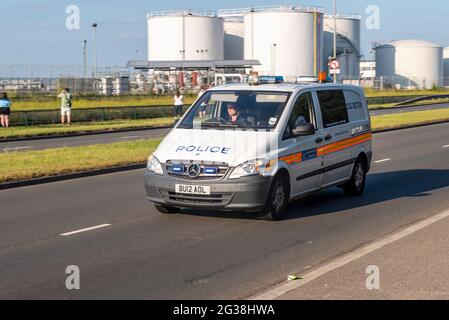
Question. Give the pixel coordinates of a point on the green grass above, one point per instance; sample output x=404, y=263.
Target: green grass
x=381, y=106
x=409, y=118
x=33, y=164
x=399, y=93
x=47, y=103
x=87, y=103
x=58, y=129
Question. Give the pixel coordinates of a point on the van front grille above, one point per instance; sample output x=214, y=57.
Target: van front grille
x=208, y=170
x=221, y=199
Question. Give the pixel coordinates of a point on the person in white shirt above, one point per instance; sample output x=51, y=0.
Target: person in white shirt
x=178, y=104
x=202, y=111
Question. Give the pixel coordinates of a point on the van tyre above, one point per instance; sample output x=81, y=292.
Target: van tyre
x=167, y=210
x=277, y=200
x=356, y=185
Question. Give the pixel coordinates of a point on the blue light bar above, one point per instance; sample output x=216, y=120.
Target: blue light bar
x=177, y=169
x=210, y=170
x=271, y=79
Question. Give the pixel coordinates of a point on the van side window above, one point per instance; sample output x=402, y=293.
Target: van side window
x=333, y=108
x=302, y=113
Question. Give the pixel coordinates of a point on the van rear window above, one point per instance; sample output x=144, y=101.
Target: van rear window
x=333, y=107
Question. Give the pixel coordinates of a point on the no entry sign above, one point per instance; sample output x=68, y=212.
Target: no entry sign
x=334, y=66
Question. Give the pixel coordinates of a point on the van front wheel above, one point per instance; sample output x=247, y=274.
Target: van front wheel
x=277, y=201
x=356, y=185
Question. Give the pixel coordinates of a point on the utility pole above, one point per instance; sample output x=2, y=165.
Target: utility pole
x=335, y=35
x=94, y=26
x=85, y=59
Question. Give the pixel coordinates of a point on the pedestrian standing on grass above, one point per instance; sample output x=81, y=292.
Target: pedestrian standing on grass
x=5, y=109
x=66, y=105
x=178, y=104
x=203, y=106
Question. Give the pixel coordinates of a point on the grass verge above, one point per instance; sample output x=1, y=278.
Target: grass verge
x=399, y=93
x=33, y=164
x=58, y=129
x=84, y=103
x=409, y=118
x=45, y=103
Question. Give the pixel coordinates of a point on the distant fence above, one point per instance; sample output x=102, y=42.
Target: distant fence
x=394, y=99
x=36, y=117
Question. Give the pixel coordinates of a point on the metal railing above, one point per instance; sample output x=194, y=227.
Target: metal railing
x=344, y=16
x=45, y=117
x=180, y=13
x=243, y=11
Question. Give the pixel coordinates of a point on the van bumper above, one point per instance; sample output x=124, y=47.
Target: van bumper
x=244, y=194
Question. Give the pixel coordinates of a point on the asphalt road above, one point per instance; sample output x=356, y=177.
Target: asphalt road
x=409, y=109
x=84, y=140
x=206, y=255
x=142, y=134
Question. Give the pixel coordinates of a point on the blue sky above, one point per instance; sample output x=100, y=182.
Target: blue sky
x=33, y=31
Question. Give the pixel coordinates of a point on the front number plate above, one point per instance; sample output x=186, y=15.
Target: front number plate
x=187, y=189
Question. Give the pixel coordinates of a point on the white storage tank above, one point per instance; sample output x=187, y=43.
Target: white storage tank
x=288, y=41
x=184, y=35
x=234, y=38
x=348, y=44
x=410, y=63
x=446, y=67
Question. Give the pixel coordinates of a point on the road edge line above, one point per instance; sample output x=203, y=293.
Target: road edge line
x=70, y=176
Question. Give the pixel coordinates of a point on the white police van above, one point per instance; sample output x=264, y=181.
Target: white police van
x=256, y=148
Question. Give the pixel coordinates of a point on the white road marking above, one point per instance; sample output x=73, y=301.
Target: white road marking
x=84, y=230
x=130, y=137
x=340, y=262
x=383, y=160
x=17, y=148
x=447, y=146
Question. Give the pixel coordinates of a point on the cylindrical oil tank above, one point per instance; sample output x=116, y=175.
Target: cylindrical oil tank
x=174, y=36
x=348, y=44
x=234, y=38
x=446, y=66
x=288, y=41
x=410, y=63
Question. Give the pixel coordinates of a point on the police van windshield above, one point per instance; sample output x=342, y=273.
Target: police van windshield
x=236, y=109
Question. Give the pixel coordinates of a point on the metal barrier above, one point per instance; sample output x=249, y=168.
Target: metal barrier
x=42, y=117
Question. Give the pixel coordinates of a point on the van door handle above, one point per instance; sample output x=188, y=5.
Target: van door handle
x=328, y=137
x=319, y=140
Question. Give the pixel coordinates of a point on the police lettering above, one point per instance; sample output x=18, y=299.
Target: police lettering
x=204, y=149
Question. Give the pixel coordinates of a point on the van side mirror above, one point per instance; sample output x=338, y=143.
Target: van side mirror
x=304, y=129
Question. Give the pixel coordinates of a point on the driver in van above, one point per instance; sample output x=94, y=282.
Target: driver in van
x=234, y=115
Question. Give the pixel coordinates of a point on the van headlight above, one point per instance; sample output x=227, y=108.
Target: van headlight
x=249, y=168
x=154, y=165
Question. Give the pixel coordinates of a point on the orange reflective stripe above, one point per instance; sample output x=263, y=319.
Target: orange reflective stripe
x=294, y=158
x=341, y=145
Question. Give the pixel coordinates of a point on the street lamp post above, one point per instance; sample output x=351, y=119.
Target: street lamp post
x=94, y=26
x=85, y=59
